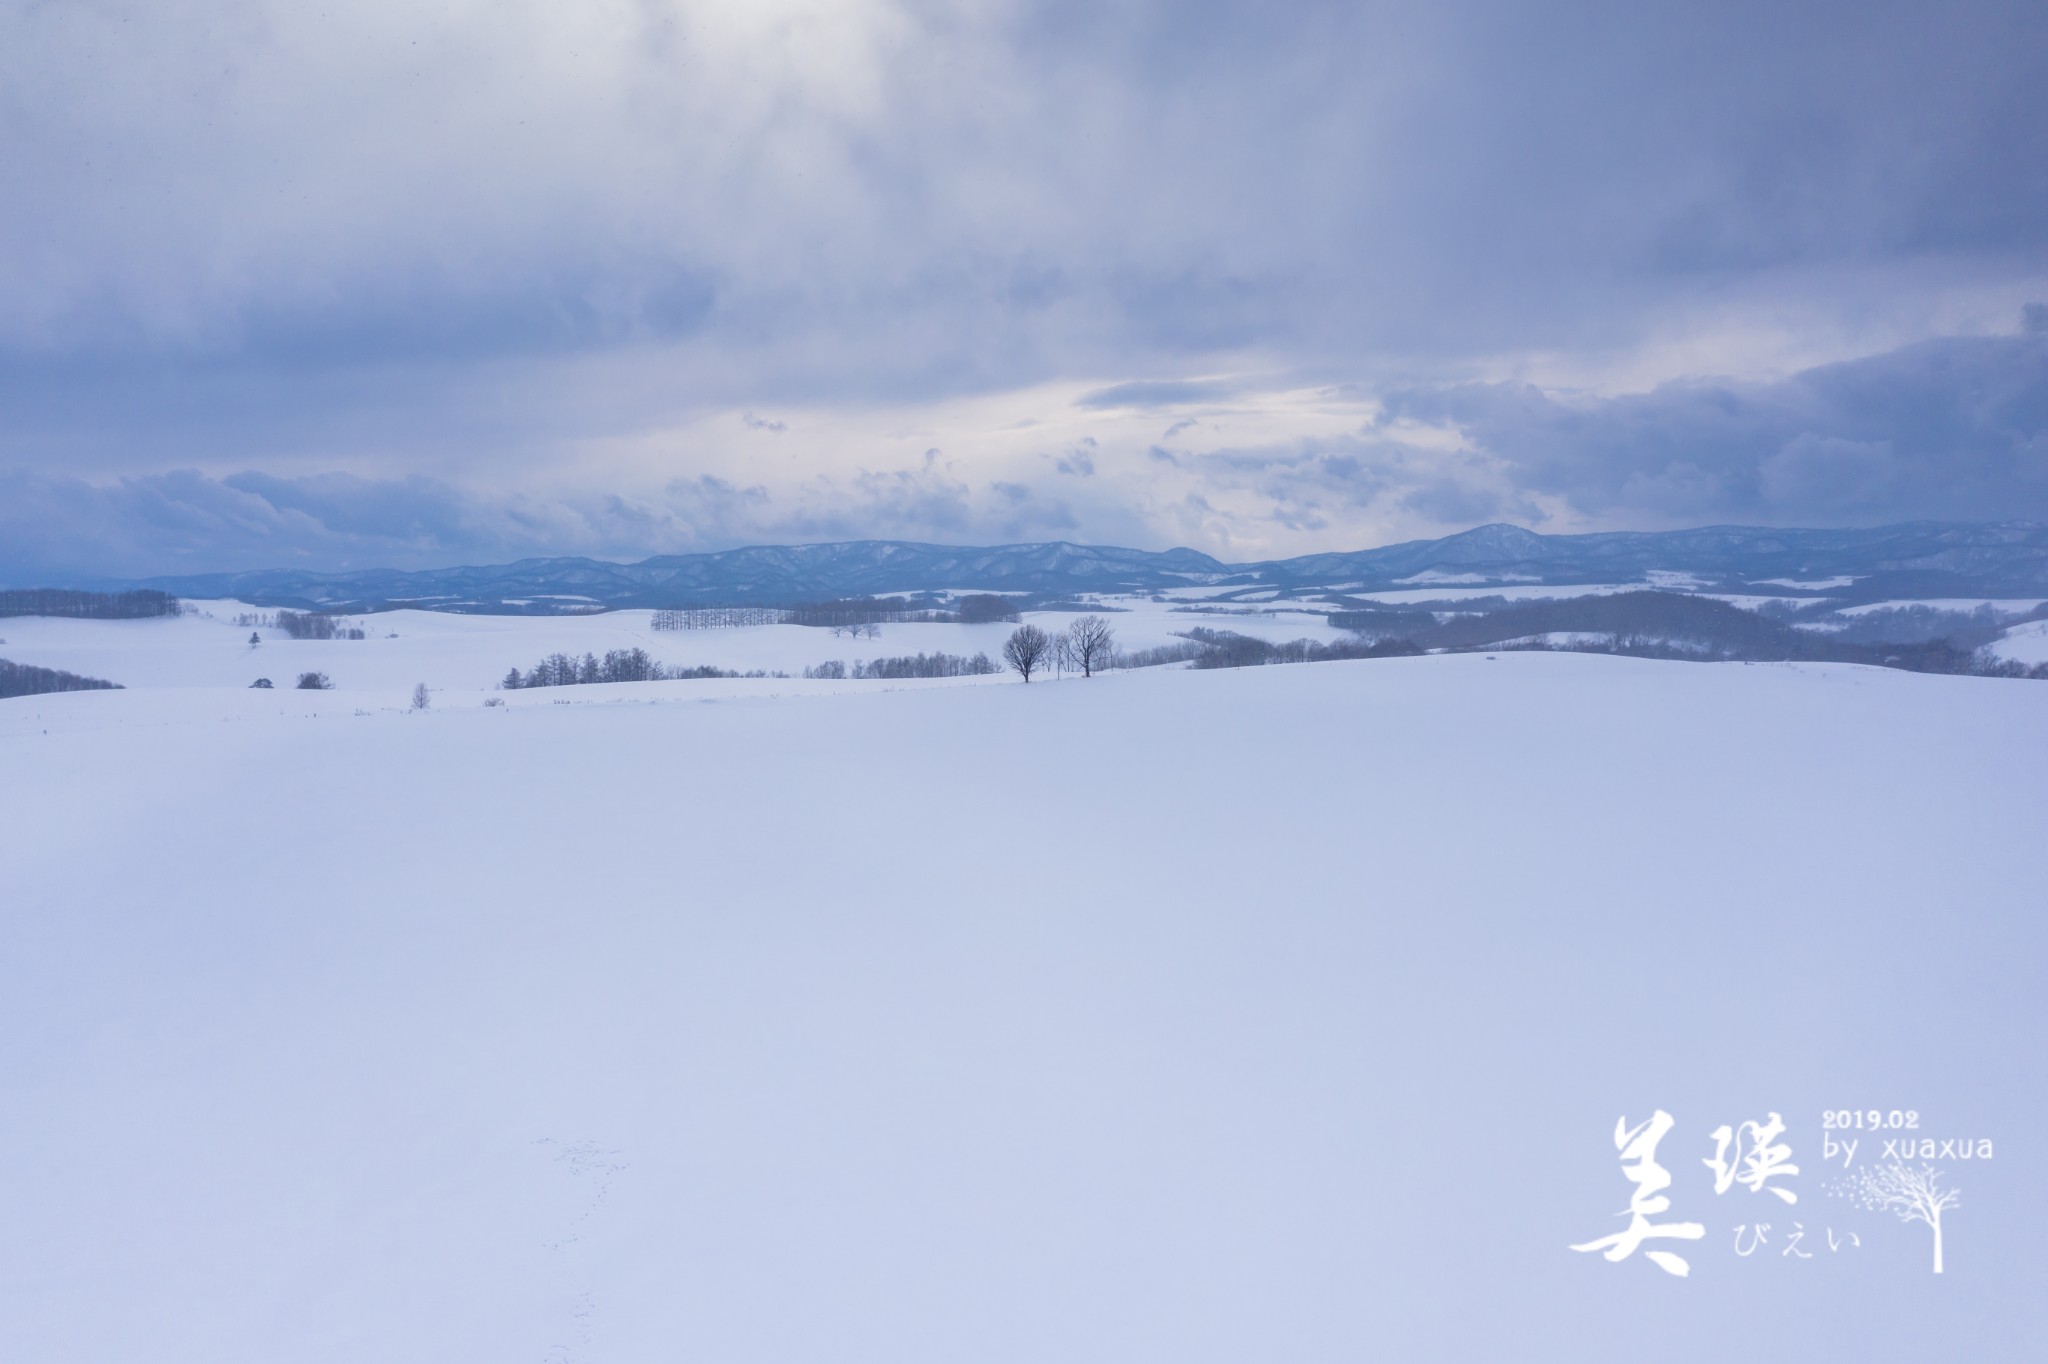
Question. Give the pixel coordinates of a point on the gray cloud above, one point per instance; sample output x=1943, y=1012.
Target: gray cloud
x=1953, y=428
x=993, y=193
x=1157, y=393
x=55, y=528
x=446, y=250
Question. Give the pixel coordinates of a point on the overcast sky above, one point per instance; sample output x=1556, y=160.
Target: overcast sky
x=438, y=281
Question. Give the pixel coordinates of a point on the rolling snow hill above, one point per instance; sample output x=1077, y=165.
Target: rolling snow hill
x=1283, y=1013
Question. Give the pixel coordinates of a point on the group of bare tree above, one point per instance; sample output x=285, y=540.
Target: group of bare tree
x=717, y=618
x=619, y=665
x=562, y=670
x=298, y=625
x=906, y=665
x=1087, y=646
x=315, y=625
x=863, y=611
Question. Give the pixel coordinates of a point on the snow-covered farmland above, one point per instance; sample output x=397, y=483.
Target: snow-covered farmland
x=1273, y=1014
x=205, y=648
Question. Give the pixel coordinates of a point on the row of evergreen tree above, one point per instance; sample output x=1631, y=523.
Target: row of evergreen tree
x=58, y=601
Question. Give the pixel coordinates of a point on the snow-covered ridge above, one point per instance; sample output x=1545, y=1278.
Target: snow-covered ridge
x=1924, y=558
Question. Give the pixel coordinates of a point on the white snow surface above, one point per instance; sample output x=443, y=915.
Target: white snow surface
x=1273, y=1014
x=2006, y=606
x=2026, y=643
x=1810, y=584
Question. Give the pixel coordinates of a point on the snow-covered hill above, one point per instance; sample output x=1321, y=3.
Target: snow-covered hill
x=1919, y=559
x=1278, y=1014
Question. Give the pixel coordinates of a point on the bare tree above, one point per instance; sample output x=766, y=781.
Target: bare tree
x=1089, y=642
x=1912, y=1195
x=421, y=697
x=314, y=682
x=1026, y=649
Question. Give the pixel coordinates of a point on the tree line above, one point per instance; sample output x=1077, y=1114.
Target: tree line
x=716, y=618
x=25, y=679
x=908, y=665
x=140, y=604
x=1228, y=649
x=618, y=665
x=315, y=625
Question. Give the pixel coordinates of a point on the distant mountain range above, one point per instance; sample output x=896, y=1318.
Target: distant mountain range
x=1919, y=559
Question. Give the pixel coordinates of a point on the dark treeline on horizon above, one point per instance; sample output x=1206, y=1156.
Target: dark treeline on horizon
x=140, y=604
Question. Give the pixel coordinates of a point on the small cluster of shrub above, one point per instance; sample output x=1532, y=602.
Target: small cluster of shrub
x=907, y=665
x=306, y=682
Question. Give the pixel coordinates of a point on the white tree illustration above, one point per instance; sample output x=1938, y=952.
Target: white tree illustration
x=1912, y=1195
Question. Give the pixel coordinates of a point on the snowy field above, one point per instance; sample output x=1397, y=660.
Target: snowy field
x=205, y=648
x=1280, y=1014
